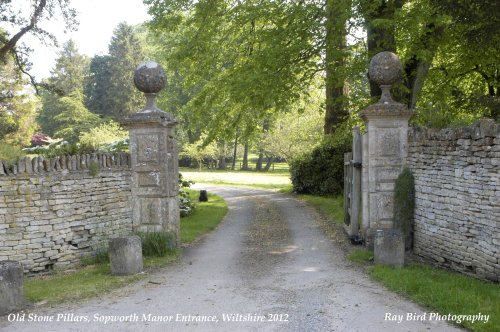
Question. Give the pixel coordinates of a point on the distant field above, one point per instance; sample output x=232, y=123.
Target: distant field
x=271, y=180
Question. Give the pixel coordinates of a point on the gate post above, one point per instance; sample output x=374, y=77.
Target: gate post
x=384, y=146
x=353, y=229
x=154, y=159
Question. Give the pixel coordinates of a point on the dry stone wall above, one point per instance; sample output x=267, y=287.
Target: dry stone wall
x=457, y=182
x=53, y=211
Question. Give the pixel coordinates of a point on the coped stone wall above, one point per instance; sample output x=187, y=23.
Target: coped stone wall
x=457, y=182
x=53, y=211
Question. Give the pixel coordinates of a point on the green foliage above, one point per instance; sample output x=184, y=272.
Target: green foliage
x=360, y=256
x=63, y=93
x=186, y=204
x=74, y=118
x=10, y=153
x=99, y=256
x=332, y=207
x=321, y=171
x=106, y=136
x=58, y=147
x=205, y=219
x=445, y=292
x=17, y=106
x=298, y=131
x=404, y=205
x=156, y=244
x=93, y=168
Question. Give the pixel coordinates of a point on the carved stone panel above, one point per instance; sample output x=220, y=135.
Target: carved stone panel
x=150, y=211
x=388, y=142
x=149, y=179
x=381, y=206
x=148, y=148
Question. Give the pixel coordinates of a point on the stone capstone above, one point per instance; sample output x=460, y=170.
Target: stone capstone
x=385, y=68
x=150, y=77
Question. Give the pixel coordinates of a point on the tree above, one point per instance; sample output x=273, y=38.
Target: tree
x=298, y=131
x=337, y=16
x=67, y=77
x=30, y=22
x=17, y=107
x=98, y=85
x=268, y=52
x=125, y=54
x=73, y=118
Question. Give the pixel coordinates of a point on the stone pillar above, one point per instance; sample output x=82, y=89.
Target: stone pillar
x=384, y=146
x=154, y=158
x=11, y=287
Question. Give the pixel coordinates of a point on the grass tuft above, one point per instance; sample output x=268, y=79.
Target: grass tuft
x=360, y=256
x=156, y=244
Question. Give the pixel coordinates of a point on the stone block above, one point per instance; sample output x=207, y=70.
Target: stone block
x=125, y=254
x=11, y=287
x=389, y=247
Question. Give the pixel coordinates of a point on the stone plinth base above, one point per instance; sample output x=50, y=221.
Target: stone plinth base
x=389, y=247
x=11, y=287
x=125, y=255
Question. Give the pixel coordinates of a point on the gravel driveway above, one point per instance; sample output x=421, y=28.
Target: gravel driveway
x=268, y=267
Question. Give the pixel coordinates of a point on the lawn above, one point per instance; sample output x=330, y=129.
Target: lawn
x=268, y=180
x=94, y=280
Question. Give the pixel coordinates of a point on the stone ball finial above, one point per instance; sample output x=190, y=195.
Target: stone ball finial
x=150, y=77
x=385, y=68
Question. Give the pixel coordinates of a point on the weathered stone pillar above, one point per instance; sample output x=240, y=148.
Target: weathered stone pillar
x=154, y=158
x=11, y=287
x=384, y=146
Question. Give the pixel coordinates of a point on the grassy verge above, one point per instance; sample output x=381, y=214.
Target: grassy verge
x=206, y=217
x=332, y=207
x=439, y=290
x=91, y=281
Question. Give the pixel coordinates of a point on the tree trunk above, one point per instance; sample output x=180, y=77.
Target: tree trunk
x=222, y=157
x=337, y=14
x=258, y=165
x=380, y=36
x=235, y=151
x=417, y=68
x=268, y=164
x=245, y=167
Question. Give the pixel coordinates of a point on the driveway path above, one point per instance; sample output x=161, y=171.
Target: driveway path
x=268, y=260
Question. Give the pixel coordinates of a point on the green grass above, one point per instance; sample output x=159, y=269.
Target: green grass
x=205, y=218
x=444, y=291
x=94, y=280
x=332, y=207
x=270, y=180
x=360, y=256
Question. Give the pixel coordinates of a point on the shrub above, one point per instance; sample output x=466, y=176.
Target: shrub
x=156, y=244
x=321, y=171
x=58, y=147
x=106, y=137
x=186, y=205
x=10, y=153
x=40, y=139
x=404, y=205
